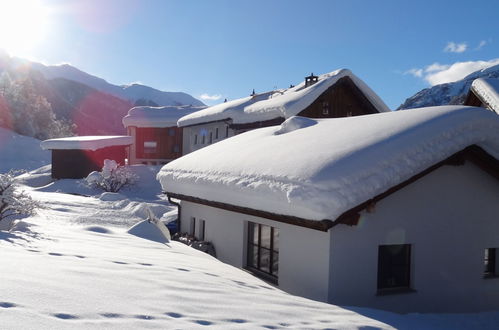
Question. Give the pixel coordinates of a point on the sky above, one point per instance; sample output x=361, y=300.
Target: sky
x=224, y=48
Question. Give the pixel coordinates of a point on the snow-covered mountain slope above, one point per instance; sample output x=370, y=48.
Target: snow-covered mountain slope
x=449, y=93
x=130, y=93
x=18, y=152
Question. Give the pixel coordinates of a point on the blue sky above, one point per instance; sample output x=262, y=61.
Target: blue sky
x=227, y=48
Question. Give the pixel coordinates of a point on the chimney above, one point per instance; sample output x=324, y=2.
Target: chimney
x=253, y=93
x=310, y=80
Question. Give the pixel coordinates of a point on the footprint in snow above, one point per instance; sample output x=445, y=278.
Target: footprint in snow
x=5, y=304
x=64, y=316
x=183, y=269
x=55, y=254
x=33, y=250
x=237, y=321
x=78, y=256
x=144, y=317
x=203, y=322
x=112, y=315
x=145, y=264
x=174, y=315
x=120, y=262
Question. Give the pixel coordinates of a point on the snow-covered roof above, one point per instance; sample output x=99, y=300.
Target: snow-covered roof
x=488, y=91
x=280, y=103
x=144, y=116
x=319, y=168
x=86, y=142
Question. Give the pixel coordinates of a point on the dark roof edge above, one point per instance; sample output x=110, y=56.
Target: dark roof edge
x=321, y=225
x=206, y=122
x=473, y=153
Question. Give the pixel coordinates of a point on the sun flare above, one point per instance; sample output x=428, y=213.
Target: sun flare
x=23, y=25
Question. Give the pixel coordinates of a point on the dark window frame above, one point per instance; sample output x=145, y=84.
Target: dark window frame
x=272, y=273
x=394, y=268
x=202, y=229
x=490, y=263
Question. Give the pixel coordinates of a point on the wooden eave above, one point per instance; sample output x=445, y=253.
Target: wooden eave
x=258, y=124
x=473, y=153
x=228, y=119
x=322, y=225
x=473, y=100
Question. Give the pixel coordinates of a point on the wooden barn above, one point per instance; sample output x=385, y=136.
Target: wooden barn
x=156, y=137
x=484, y=92
x=75, y=157
x=331, y=95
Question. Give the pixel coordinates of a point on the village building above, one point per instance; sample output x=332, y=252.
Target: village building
x=156, y=137
x=396, y=211
x=336, y=94
x=484, y=92
x=76, y=157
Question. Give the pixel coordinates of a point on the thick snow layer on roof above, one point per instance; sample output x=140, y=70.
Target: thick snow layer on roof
x=488, y=90
x=319, y=168
x=167, y=116
x=86, y=142
x=281, y=103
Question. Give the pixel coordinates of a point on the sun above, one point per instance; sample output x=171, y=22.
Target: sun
x=23, y=25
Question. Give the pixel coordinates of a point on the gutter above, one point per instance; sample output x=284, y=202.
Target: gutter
x=179, y=209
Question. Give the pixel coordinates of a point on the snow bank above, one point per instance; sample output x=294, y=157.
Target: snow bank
x=322, y=170
x=20, y=152
x=157, y=116
x=488, y=90
x=86, y=142
x=280, y=103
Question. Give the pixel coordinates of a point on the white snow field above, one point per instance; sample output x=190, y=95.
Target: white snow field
x=74, y=266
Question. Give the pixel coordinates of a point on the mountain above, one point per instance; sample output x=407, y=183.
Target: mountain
x=449, y=93
x=130, y=93
x=93, y=105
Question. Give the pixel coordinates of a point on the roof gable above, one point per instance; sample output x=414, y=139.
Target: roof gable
x=280, y=103
x=487, y=91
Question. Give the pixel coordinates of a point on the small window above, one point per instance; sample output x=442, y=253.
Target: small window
x=263, y=250
x=192, y=227
x=150, y=147
x=394, y=266
x=227, y=131
x=195, y=139
x=211, y=138
x=201, y=230
x=490, y=262
x=203, y=140
x=171, y=131
x=325, y=108
x=216, y=133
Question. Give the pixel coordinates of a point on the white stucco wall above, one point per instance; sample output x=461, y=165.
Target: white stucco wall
x=303, y=253
x=450, y=217
x=200, y=130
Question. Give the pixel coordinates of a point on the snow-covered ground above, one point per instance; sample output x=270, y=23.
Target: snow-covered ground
x=74, y=266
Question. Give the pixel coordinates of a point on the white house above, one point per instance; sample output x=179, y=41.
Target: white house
x=397, y=211
x=336, y=94
x=156, y=137
x=484, y=92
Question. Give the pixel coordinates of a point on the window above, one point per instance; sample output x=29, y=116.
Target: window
x=490, y=262
x=195, y=139
x=325, y=108
x=263, y=250
x=203, y=140
x=394, y=266
x=201, y=230
x=171, y=131
x=227, y=131
x=150, y=147
x=216, y=133
x=211, y=137
x=192, y=227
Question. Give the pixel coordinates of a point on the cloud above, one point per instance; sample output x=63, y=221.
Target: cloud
x=437, y=73
x=214, y=97
x=481, y=44
x=453, y=47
